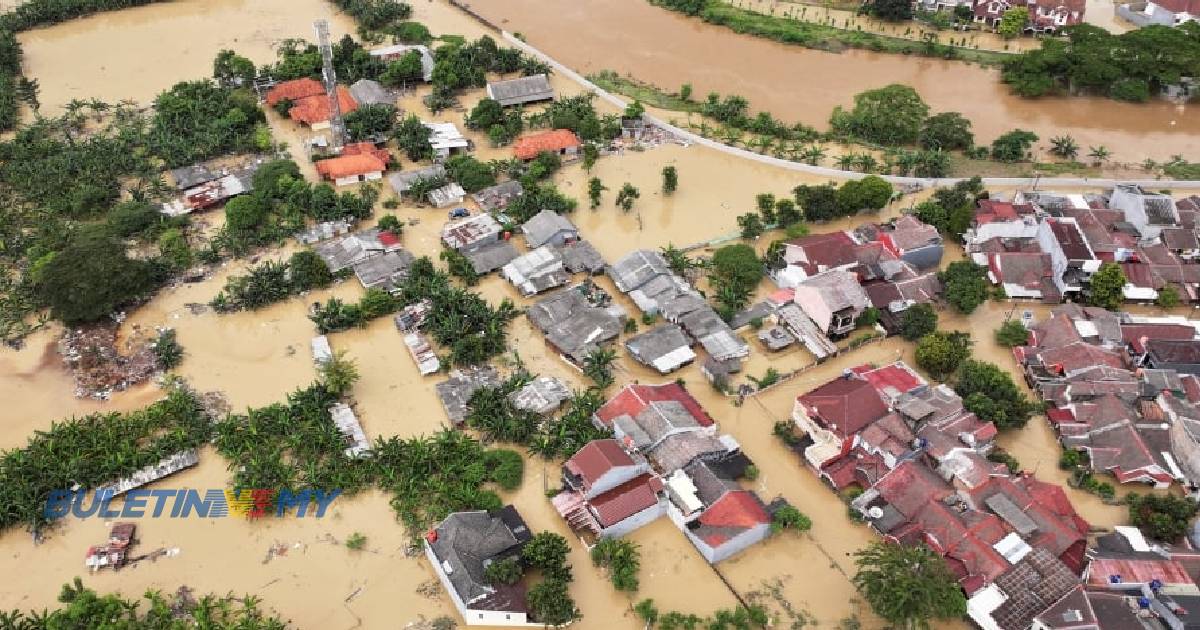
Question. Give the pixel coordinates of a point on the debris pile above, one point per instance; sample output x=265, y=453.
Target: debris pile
x=99, y=368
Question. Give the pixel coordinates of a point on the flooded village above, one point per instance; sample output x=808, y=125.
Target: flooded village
x=574, y=358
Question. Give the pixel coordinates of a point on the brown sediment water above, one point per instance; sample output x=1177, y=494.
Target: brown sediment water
x=669, y=49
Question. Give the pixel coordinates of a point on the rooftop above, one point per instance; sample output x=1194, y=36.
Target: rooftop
x=845, y=405
x=529, y=146
x=521, y=90
x=543, y=226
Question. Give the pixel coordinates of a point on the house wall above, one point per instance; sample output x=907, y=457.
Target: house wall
x=470, y=616
x=1058, y=259
x=1019, y=291
x=633, y=523
x=810, y=301
x=1004, y=229
x=615, y=477
x=732, y=546
x=826, y=444
x=1185, y=450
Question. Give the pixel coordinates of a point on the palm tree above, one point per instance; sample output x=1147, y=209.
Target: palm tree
x=867, y=163
x=1064, y=147
x=597, y=365
x=731, y=135
x=846, y=161
x=338, y=373
x=814, y=154
x=1099, y=154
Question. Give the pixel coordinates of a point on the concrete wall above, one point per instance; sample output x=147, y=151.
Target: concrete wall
x=635, y=522
x=1185, y=451
x=615, y=477
x=731, y=547
x=810, y=301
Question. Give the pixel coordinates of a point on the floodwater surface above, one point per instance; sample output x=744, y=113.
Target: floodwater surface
x=797, y=84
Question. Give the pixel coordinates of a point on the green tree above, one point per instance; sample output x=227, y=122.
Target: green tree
x=308, y=271
x=338, y=373
x=487, y=112
x=412, y=136
x=1099, y=154
x=734, y=273
x=470, y=173
x=369, y=121
x=547, y=552
x=908, y=586
x=788, y=517
x=1013, y=146
x=92, y=277
x=1012, y=23
x=550, y=604
x=670, y=179
x=597, y=365
x=622, y=558
x=918, y=320
x=786, y=213
x=173, y=247
x=947, y=131
x=132, y=218
x=869, y=193
x=891, y=10
x=1106, y=288
x=626, y=196
x=595, y=187
x=940, y=353
x=991, y=394
x=751, y=225
x=1012, y=333
x=507, y=571
x=889, y=115
x=1064, y=147
x=590, y=154
x=819, y=202
x=1168, y=297
x=407, y=70
x=685, y=91
x=356, y=542
x=245, y=214
x=966, y=285
x=635, y=110
x=645, y=609
x=167, y=350
x=1163, y=517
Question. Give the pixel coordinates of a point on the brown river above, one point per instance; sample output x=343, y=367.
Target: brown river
x=668, y=49
x=256, y=358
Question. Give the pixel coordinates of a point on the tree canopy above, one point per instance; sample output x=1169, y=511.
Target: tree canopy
x=1163, y=517
x=908, y=586
x=966, y=285
x=940, y=353
x=948, y=131
x=1106, y=287
x=1013, y=146
x=991, y=394
x=91, y=277
x=890, y=115
x=917, y=321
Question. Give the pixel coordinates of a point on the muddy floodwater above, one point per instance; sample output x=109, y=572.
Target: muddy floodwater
x=797, y=84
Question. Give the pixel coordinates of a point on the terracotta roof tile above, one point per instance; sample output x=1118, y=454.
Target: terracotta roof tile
x=596, y=458
x=627, y=499
x=528, y=147
x=846, y=404
x=294, y=90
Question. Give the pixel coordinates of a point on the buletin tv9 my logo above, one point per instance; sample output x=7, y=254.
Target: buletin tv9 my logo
x=189, y=503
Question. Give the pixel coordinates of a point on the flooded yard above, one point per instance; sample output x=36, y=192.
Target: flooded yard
x=669, y=49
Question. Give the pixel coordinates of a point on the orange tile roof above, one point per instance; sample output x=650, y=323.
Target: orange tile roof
x=311, y=110
x=294, y=90
x=529, y=147
x=351, y=165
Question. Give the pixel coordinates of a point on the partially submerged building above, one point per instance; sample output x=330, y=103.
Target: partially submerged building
x=833, y=300
x=347, y=424
x=664, y=348
x=445, y=139
x=352, y=249
x=536, y=271
x=561, y=142
x=403, y=181
x=444, y=196
x=471, y=232
x=577, y=321
x=542, y=395
x=519, y=91
x=461, y=547
x=397, y=51
x=608, y=492
x=386, y=271
x=358, y=162
x=456, y=391
x=549, y=228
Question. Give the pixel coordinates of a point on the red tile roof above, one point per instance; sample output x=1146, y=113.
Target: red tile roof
x=634, y=399
x=1168, y=572
x=312, y=110
x=388, y=238
x=736, y=510
x=896, y=375
x=294, y=90
x=528, y=147
x=992, y=210
x=846, y=405
x=1136, y=334
x=356, y=159
x=832, y=249
x=627, y=499
x=596, y=458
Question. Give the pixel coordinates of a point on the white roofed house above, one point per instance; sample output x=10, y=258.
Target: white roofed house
x=520, y=91
x=448, y=195
x=446, y=140
x=1149, y=212
x=833, y=300
x=537, y=271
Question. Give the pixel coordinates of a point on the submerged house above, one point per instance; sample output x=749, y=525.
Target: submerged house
x=717, y=516
x=519, y=91
x=398, y=51
x=446, y=140
x=358, y=162
x=833, y=300
x=403, y=181
x=537, y=271
x=549, y=228
x=561, y=142
x=664, y=348
x=608, y=492
x=352, y=249
x=461, y=547
x=576, y=322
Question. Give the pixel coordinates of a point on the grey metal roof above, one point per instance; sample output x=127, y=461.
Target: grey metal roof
x=521, y=90
x=456, y=391
x=674, y=308
x=636, y=268
x=543, y=227
x=466, y=542
x=755, y=311
x=581, y=257
x=386, y=271
x=446, y=195
x=541, y=395
x=1011, y=514
x=656, y=343
x=711, y=483
x=679, y=450
x=349, y=250
x=368, y=92
x=490, y=257
x=403, y=180
x=496, y=197
x=189, y=176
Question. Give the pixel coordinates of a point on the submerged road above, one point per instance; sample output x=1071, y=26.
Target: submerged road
x=928, y=182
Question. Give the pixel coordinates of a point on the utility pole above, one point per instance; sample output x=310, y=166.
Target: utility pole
x=337, y=128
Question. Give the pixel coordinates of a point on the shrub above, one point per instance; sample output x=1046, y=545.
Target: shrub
x=357, y=541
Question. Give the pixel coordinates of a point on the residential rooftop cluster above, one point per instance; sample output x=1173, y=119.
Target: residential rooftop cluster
x=665, y=459
x=1046, y=246
x=1123, y=389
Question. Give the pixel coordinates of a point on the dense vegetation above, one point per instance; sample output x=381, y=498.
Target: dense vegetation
x=738, y=618
x=549, y=602
x=991, y=394
x=622, y=558
x=940, y=353
x=460, y=320
x=1163, y=517
x=966, y=285
x=1012, y=333
x=496, y=418
x=84, y=608
x=908, y=586
x=272, y=281
x=1132, y=66
x=94, y=450
x=951, y=210
x=734, y=273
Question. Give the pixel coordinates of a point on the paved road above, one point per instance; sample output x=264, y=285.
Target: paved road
x=927, y=182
